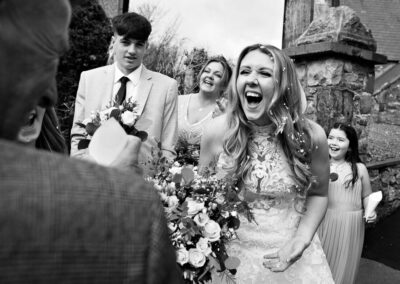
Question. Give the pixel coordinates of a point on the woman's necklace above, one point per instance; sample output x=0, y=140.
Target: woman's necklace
x=334, y=173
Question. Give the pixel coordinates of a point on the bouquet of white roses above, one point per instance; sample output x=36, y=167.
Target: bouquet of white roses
x=202, y=214
x=126, y=114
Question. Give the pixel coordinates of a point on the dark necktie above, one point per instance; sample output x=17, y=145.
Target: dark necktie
x=120, y=97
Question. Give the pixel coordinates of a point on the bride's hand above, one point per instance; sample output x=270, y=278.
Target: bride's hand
x=279, y=261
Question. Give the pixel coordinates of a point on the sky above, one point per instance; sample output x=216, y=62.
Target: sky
x=222, y=26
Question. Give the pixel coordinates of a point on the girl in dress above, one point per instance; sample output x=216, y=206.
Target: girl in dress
x=281, y=160
x=342, y=230
x=195, y=110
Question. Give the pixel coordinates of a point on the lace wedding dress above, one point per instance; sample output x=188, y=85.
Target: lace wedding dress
x=277, y=211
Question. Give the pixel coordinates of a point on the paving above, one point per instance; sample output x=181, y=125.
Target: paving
x=372, y=272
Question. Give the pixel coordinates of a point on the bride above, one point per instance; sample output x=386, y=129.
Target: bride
x=281, y=159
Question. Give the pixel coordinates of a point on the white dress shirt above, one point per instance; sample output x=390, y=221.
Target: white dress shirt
x=131, y=85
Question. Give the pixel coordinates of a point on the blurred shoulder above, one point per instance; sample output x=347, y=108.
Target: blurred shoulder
x=217, y=127
x=159, y=77
x=362, y=169
x=77, y=177
x=98, y=70
x=317, y=133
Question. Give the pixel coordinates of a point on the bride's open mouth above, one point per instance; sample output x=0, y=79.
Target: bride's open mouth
x=253, y=99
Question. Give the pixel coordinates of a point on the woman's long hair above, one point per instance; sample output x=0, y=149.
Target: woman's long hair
x=50, y=137
x=284, y=110
x=352, y=155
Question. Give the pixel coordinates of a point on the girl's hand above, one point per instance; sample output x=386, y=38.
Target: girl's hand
x=279, y=261
x=371, y=218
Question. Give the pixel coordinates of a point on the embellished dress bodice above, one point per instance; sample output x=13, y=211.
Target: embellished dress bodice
x=271, y=191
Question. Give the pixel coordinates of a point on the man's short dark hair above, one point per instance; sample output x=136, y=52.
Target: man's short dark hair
x=132, y=25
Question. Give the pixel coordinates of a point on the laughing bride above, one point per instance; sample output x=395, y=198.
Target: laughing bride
x=281, y=159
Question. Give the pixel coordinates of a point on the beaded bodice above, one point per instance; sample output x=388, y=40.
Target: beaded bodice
x=269, y=170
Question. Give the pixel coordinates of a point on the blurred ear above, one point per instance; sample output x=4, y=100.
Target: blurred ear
x=31, y=131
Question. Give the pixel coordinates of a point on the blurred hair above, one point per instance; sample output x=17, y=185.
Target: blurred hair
x=226, y=77
x=132, y=25
x=352, y=155
x=284, y=110
x=50, y=137
x=33, y=34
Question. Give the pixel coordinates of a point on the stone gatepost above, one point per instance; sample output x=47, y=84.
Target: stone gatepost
x=335, y=60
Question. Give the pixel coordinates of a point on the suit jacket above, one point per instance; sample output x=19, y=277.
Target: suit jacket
x=68, y=221
x=157, y=99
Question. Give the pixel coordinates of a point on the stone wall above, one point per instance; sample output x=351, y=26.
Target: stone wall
x=335, y=59
x=335, y=89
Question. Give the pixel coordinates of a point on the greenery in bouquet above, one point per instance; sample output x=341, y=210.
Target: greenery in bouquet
x=187, y=154
x=126, y=114
x=203, y=216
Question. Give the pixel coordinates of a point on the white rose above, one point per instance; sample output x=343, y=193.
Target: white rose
x=212, y=231
x=172, y=226
x=163, y=196
x=204, y=246
x=128, y=118
x=182, y=256
x=196, y=257
x=225, y=214
x=219, y=198
x=175, y=170
x=201, y=219
x=171, y=186
x=172, y=201
x=194, y=207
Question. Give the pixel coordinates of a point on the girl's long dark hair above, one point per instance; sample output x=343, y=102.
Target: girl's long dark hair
x=50, y=137
x=352, y=156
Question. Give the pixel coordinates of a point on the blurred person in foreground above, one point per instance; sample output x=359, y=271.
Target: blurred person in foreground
x=64, y=220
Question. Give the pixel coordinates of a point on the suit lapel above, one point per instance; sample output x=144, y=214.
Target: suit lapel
x=144, y=88
x=107, y=86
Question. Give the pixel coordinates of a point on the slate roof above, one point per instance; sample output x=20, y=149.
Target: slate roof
x=383, y=18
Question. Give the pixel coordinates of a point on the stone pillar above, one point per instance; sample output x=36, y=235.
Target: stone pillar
x=299, y=14
x=335, y=60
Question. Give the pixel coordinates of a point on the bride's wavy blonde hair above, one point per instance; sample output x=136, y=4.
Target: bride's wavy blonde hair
x=285, y=110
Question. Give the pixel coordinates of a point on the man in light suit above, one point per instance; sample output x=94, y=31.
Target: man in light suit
x=63, y=220
x=155, y=93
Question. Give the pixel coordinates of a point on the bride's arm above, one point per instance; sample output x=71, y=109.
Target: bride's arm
x=211, y=141
x=316, y=205
x=317, y=198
